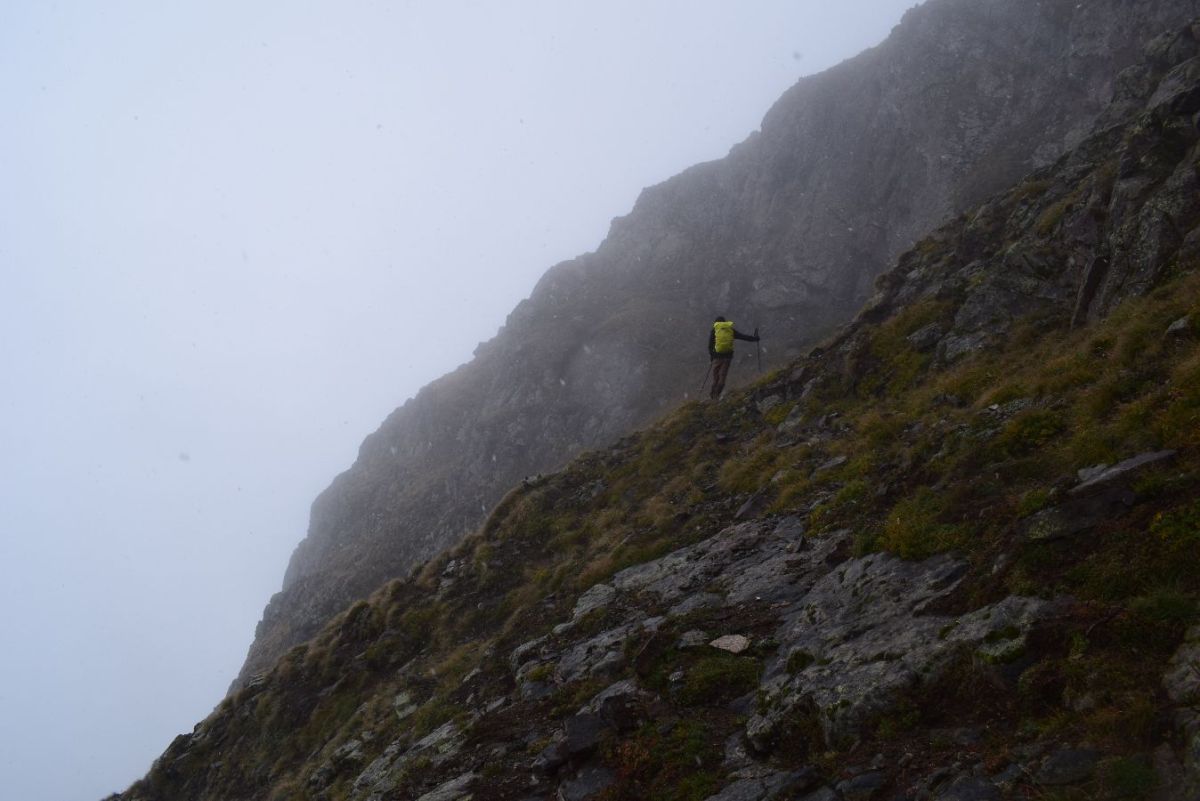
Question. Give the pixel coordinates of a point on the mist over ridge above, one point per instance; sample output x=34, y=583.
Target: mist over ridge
x=788, y=232
x=945, y=555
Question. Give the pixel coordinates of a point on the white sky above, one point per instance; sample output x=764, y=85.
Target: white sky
x=234, y=236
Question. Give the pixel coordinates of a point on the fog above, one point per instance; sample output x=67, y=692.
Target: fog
x=234, y=236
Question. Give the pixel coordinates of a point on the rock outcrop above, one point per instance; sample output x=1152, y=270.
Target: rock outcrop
x=787, y=232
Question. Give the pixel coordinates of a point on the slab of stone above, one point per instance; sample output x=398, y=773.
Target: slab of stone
x=695, y=602
x=1082, y=512
x=832, y=464
x=453, y=790
x=755, y=506
x=733, y=643
x=583, y=733
x=597, y=655
x=523, y=652
x=403, y=705
x=766, y=784
x=926, y=337
x=377, y=782
x=550, y=758
x=618, y=705
x=1123, y=470
x=745, y=562
x=598, y=597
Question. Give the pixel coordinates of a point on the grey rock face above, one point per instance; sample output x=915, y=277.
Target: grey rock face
x=861, y=787
x=583, y=733
x=618, y=705
x=1103, y=493
x=766, y=785
x=969, y=788
x=595, y=657
x=590, y=782
x=823, y=794
x=453, y=790
x=791, y=227
x=855, y=635
x=1122, y=470
x=381, y=777
x=863, y=636
x=1179, y=328
x=1069, y=766
x=1182, y=685
x=744, y=562
x=597, y=597
x=744, y=790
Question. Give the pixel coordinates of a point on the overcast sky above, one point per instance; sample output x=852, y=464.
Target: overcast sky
x=234, y=236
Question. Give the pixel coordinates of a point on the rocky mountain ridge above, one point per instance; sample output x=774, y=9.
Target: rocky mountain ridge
x=947, y=555
x=788, y=231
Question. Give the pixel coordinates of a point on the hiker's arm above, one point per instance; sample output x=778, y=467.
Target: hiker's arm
x=712, y=344
x=744, y=337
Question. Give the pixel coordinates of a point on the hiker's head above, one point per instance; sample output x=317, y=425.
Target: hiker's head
x=719, y=320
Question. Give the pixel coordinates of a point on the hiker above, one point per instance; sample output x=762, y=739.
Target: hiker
x=720, y=351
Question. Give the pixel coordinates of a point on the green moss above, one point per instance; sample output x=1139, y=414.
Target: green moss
x=716, y=680
x=541, y=672
x=1166, y=606
x=1177, y=529
x=778, y=413
x=799, y=660
x=1029, y=431
x=913, y=529
x=832, y=514
x=751, y=470
x=1028, y=190
x=435, y=713
x=1052, y=216
x=1034, y=500
x=1003, y=651
x=675, y=762
x=901, y=720
x=1128, y=779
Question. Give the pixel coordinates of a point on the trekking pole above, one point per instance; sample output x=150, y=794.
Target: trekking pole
x=706, y=375
x=758, y=348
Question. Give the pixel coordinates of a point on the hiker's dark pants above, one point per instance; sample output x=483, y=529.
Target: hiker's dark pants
x=720, y=370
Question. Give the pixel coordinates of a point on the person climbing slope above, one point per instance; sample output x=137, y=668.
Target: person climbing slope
x=720, y=351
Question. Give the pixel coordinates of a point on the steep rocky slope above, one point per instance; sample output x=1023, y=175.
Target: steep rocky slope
x=948, y=555
x=787, y=232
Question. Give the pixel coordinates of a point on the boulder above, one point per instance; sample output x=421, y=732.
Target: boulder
x=618, y=705
x=583, y=733
x=733, y=643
